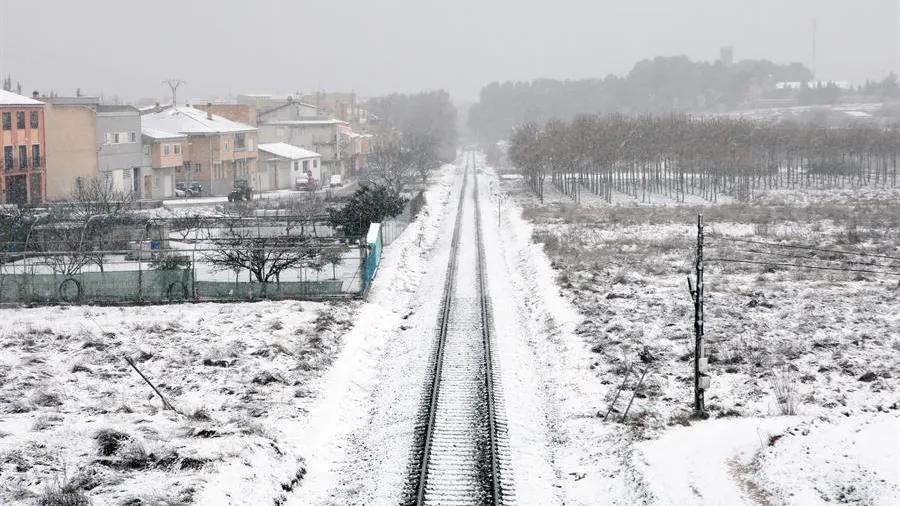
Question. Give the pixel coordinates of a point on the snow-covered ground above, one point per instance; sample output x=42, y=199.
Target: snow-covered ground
x=263, y=391
x=781, y=341
x=315, y=404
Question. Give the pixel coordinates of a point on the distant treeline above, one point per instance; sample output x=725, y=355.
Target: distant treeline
x=676, y=155
x=664, y=84
x=428, y=115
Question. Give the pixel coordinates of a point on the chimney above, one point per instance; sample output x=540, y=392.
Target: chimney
x=209, y=110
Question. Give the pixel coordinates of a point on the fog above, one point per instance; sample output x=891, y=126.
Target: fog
x=222, y=47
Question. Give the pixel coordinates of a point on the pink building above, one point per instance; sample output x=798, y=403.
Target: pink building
x=24, y=176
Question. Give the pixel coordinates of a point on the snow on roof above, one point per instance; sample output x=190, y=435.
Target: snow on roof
x=307, y=122
x=285, y=150
x=10, y=98
x=858, y=114
x=188, y=120
x=160, y=135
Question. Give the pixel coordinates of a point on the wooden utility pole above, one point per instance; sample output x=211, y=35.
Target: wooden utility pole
x=701, y=380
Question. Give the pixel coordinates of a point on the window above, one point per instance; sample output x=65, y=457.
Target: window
x=7, y=121
x=178, y=149
x=147, y=151
x=34, y=119
x=305, y=165
x=240, y=142
x=8, y=157
x=296, y=165
x=35, y=155
x=165, y=150
x=20, y=120
x=116, y=138
x=132, y=137
x=226, y=145
x=23, y=155
x=315, y=163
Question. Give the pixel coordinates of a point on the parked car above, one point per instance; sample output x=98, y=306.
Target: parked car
x=181, y=190
x=336, y=181
x=196, y=189
x=240, y=191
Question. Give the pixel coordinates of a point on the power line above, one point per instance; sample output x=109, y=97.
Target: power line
x=820, y=268
x=799, y=257
x=807, y=248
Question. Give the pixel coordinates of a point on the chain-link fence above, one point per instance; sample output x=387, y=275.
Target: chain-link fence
x=104, y=259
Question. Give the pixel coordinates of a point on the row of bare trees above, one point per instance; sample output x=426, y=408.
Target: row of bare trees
x=678, y=155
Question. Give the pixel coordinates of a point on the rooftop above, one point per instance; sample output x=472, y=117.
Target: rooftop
x=301, y=122
x=188, y=120
x=10, y=98
x=287, y=151
x=160, y=135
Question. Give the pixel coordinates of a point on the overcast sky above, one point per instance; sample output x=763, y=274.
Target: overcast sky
x=219, y=47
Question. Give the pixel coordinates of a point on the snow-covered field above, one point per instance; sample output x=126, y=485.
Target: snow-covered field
x=804, y=369
x=263, y=391
x=315, y=404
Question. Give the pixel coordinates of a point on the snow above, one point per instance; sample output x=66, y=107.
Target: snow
x=285, y=150
x=309, y=122
x=242, y=374
x=160, y=135
x=701, y=464
x=188, y=120
x=357, y=452
x=848, y=460
x=614, y=286
x=8, y=98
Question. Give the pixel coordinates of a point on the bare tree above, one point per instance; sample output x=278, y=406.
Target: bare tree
x=244, y=244
x=393, y=164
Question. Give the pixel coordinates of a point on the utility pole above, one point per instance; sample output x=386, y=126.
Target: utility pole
x=701, y=380
x=173, y=85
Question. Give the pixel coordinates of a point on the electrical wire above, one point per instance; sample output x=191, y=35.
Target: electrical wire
x=815, y=267
x=799, y=257
x=806, y=248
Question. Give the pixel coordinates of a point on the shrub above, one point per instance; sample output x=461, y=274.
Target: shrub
x=784, y=383
x=62, y=495
x=109, y=441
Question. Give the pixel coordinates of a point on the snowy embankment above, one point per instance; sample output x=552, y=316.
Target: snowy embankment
x=353, y=456
x=781, y=342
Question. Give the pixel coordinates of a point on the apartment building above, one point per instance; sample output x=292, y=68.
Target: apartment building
x=23, y=144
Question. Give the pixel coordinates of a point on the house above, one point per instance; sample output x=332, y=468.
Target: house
x=22, y=138
x=272, y=108
x=217, y=150
x=72, y=148
x=163, y=156
x=342, y=106
x=321, y=135
x=283, y=164
x=113, y=144
x=241, y=113
x=121, y=153
x=356, y=146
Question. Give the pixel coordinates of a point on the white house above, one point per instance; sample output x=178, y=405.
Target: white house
x=283, y=164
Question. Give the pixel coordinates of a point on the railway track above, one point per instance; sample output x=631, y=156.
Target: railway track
x=461, y=456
